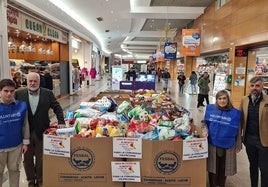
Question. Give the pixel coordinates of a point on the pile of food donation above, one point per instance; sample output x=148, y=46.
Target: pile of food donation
x=147, y=114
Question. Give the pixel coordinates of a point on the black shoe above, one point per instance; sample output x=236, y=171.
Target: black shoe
x=31, y=184
x=202, y=105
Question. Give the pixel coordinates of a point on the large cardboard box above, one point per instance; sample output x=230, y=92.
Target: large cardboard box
x=95, y=154
x=162, y=166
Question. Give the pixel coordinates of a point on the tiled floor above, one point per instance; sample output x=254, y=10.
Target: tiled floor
x=241, y=179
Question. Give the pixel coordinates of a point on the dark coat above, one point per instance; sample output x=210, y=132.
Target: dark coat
x=39, y=121
x=48, y=81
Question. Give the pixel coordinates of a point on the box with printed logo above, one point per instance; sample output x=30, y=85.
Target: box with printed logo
x=89, y=165
x=162, y=165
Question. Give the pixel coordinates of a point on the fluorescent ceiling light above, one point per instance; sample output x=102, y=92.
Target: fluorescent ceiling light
x=80, y=20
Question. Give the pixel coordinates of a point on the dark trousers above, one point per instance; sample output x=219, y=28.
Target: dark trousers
x=218, y=178
x=258, y=159
x=33, y=167
x=201, y=98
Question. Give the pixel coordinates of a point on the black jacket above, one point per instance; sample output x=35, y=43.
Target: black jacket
x=39, y=121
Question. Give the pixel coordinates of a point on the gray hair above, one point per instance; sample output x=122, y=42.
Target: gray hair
x=255, y=79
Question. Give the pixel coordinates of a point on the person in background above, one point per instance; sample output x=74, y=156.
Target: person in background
x=165, y=77
x=254, y=122
x=39, y=101
x=159, y=74
x=193, y=82
x=203, y=89
x=42, y=79
x=14, y=130
x=17, y=78
x=181, y=81
x=48, y=80
x=131, y=75
x=80, y=77
x=224, y=139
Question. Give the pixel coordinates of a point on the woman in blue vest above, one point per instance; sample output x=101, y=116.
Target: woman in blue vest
x=15, y=134
x=224, y=139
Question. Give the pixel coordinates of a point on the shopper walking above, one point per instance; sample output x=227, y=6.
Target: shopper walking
x=165, y=77
x=181, y=81
x=39, y=101
x=203, y=89
x=14, y=130
x=159, y=74
x=254, y=122
x=224, y=139
x=193, y=82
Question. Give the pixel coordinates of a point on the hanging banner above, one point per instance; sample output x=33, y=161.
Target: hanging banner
x=190, y=42
x=170, y=50
x=160, y=56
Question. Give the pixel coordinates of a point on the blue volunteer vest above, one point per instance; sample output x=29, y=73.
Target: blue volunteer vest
x=11, y=123
x=222, y=126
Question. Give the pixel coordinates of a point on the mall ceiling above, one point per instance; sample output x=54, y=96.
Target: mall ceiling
x=131, y=28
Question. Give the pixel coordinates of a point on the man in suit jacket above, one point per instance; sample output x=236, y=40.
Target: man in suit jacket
x=254, y=123
x=39, y=101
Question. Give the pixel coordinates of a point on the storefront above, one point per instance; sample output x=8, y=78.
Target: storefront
x=35, y=45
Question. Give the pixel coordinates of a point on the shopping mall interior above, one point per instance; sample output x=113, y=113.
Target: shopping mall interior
x=90, y=47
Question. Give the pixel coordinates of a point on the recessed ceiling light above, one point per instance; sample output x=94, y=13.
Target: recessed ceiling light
x=99, y=18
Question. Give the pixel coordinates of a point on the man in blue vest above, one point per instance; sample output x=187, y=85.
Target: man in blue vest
x=15, y=134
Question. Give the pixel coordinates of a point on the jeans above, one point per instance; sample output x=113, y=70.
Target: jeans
x=258, y=160
x=181, y=87
x=193, y=88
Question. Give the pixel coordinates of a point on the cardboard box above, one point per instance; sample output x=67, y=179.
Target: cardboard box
x=162, y=165
x=88, y=166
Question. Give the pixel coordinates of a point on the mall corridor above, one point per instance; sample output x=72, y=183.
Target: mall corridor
x=241, y=179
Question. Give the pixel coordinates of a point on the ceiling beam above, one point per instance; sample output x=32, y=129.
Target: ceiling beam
x=166, y=12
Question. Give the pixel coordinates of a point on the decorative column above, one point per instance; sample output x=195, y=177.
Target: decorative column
x=4, y=59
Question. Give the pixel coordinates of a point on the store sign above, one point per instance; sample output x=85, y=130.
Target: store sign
x=13, y=18
x=20, y=21
x=32, y=25
x=190, y=42
x=241, y=52
x=55, y=34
